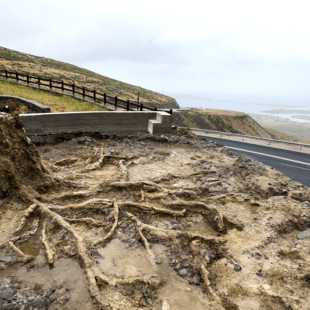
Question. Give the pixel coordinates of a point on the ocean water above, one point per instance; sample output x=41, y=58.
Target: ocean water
x=285, y=107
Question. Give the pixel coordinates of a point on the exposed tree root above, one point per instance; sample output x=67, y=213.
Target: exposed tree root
x=106, y=238
x=103, y=158
x=49, y=253
x=151, y=256
x=22, y=257
x=215, y=300
x=217, y=216
x=151, y=208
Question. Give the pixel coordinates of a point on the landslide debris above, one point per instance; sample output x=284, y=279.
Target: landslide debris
x=146, y=221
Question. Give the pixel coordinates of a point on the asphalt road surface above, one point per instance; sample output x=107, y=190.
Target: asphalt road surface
x=295, y=165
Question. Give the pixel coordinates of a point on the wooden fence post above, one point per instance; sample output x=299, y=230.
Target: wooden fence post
x=115, y=103
x=39, y=81
x=127, y=105
x=51, y=85
x=83, y=92
x=62, y=86
x=27, y=79
x=105, y=99
x=94, y=94
x=16, y=76
x=73, y=90
x=6, y=74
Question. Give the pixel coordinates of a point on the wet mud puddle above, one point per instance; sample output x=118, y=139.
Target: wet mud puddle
x=120, y=261
x=66, y=283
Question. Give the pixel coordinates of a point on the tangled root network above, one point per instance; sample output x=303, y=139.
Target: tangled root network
x=172, y=222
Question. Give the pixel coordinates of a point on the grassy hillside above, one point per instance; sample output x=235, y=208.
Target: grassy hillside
x=229, y=121
x=49, y=68
x=55, y=103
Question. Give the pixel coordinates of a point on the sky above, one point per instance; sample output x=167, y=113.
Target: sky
x=172, y=47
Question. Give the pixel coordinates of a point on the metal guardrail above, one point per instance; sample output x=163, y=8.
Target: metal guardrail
x=252, y=137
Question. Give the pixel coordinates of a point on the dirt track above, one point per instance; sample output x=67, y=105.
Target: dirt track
x=131, y=222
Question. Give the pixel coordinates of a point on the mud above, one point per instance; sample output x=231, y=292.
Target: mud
x=146, y=221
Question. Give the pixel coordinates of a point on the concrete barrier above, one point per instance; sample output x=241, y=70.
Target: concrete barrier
x=104, y=122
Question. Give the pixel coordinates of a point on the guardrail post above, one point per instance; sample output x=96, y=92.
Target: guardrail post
x=6, y=74
x=170, y=111
x=39, y=82
x=141, y=107
x=62, y=86
x=155, y=109
x=83, y=93
x=73, y=90
x=16, y=77
x=115, y=103
x=94, y=94
x=51, y=85
x=105, y=99
x=27, y=79
x=127, y=105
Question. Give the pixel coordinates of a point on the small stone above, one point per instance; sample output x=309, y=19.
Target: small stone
x=7, y=306
x=183, y=273
x=6, y=259
x=96, y=254
x=5, y=187
x=303, y=234
x=158, y=261
x=7, y=293
x=213, y=283
x=31, y=298
x=237, y=268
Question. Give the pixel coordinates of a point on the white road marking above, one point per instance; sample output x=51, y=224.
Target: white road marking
x=291, y=160
x=295, y=166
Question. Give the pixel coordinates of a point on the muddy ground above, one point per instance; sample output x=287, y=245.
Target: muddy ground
x=144, y=221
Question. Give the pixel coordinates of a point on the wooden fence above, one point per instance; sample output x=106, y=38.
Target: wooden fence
x=76, y=91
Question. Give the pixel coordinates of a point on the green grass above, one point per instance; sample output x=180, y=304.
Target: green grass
x=56, y=103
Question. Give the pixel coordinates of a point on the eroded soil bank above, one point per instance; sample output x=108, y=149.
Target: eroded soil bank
x=158, y=222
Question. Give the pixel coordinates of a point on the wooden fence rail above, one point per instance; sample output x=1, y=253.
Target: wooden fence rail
x=76, y=90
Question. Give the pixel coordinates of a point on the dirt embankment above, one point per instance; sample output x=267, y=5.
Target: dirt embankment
x=147, y=222
x=221, y=120
x=229, y=121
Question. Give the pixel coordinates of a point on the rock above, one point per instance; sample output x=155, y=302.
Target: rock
x=158, y=261
x=5, y=187
x=182, y=273
x=96, y=254
x=303, y=234
x=307, y=277
x=8, y=306
x=6, y=259
x=237, y=268
x=165, y=306
x=213, y=283
x=7, y=293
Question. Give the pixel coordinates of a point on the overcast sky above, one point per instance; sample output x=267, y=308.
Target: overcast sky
x=190, y=47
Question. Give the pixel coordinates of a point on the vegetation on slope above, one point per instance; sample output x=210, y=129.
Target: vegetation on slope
x=55, y=103
x=49, y=68
x=229, y=121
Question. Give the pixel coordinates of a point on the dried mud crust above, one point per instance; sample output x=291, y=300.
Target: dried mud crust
x=158, y=222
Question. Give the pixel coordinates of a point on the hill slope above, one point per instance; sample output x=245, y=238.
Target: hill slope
x=229, y=121
x=49, y=68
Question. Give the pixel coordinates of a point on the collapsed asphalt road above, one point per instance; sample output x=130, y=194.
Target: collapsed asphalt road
x=295, y=165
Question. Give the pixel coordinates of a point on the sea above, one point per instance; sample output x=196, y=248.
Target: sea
x=295, y=108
